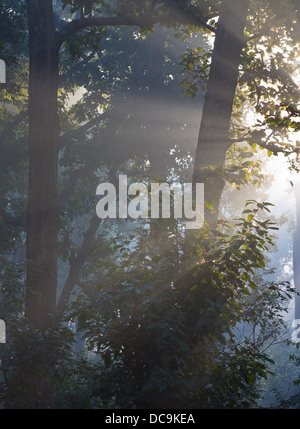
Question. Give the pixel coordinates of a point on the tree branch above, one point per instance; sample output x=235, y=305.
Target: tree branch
x=9, y=128
x=261, y=33
x=193, y=15
x=82, y=23
x=77, y=263
x=73, y=178
x=4, y=372
x=152, y=6
x=289, y=149
x=63, y=140
x=63, y=78
x=189, y=16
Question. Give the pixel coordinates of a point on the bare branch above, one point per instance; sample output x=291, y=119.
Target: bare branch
x=152, y=6
x=82, y=23
x=261, y=33
x=77, y=263
x=9, y=128
x=63, y=140
x=194, y=16
x=74, y=176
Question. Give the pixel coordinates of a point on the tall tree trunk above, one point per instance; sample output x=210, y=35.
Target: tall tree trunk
x=36, y=387
x=215, y=124
x=43, y=164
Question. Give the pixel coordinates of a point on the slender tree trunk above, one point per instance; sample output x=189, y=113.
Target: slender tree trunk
x=43, y=164
x=213, y=140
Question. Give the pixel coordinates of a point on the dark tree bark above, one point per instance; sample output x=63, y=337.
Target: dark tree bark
x=43, y=164
x=36, y=387
x=213, y=141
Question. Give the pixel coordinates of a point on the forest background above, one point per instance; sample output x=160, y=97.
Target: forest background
x=143, y=313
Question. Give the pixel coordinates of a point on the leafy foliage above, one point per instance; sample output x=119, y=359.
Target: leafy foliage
x=168, y=344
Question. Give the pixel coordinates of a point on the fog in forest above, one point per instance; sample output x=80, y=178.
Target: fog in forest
x=110, y=298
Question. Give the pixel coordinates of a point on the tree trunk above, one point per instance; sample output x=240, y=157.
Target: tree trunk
x=43, y=165
x=42, y=223
x=215, y=124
